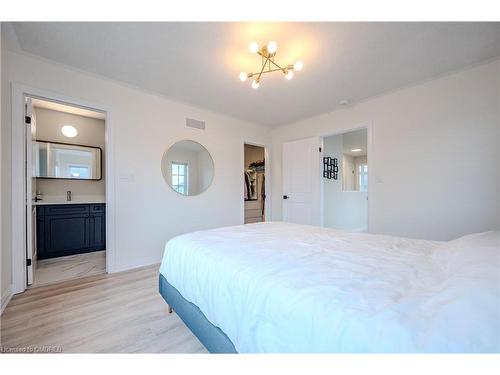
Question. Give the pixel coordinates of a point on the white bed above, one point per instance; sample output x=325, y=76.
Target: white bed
x=278, y=287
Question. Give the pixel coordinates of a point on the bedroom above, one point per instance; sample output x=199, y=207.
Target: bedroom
x=181, y=242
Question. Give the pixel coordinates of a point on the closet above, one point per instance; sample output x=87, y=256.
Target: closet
x=254, y=184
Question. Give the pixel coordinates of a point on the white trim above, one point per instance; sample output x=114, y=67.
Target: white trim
x=321, y=185
x=18, y=92
x=6, y=299
x=267, y=204
x=368, y=125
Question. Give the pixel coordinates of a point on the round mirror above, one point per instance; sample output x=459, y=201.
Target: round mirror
x=188, y=168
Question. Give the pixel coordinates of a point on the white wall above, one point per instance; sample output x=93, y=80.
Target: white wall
x=342, y=209
x=148, y=212
x=90, y=133
x=435, y=164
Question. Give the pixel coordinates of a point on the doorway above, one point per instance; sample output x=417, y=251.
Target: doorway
x=345, y=181
x=66, y=192
x=254, y=175
x=96, y=217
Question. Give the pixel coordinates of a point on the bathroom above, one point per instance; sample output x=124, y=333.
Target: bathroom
x=68, y=185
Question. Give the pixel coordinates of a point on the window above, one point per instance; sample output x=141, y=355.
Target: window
x=179, y=177
x=363, y=177
x=78, y=171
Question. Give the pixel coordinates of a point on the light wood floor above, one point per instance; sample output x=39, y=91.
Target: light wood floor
x=69, y=267
x=104, y=313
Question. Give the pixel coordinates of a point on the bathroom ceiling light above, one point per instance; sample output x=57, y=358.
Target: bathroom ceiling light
x=356, y=150
x=69, y=131
x=269, y=65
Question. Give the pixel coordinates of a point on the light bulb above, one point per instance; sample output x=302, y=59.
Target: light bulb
x=272, y=47
x=253, y=47
x=289, y=75
x=243, y=76
x=69, y=131
x=298, y=66
x=255, y=84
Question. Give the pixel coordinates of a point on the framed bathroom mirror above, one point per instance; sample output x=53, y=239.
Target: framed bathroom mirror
x=66, y=161
x=188, y=168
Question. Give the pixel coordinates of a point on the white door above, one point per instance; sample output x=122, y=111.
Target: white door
x=301, y=181
x=30, y=191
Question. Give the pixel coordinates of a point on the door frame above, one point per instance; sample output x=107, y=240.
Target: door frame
x=368, y=125
x=267, y=174
x=18, y=153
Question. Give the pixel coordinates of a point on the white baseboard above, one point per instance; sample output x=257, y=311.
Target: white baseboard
x=132, y=266
x=6, y=296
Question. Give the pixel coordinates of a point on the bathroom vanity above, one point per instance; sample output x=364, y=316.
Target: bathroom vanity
x=69, y=228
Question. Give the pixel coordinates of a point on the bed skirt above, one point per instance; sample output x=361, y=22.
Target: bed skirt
x=212, y=337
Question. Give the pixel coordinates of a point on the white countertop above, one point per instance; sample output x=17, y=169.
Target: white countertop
x=75, y=200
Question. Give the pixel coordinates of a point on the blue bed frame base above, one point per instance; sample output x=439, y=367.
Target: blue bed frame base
x=212, y=337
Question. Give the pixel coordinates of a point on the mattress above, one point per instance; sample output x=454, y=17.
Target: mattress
x=280, y=287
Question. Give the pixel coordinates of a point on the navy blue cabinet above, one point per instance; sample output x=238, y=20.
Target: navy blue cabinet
x=67, y=229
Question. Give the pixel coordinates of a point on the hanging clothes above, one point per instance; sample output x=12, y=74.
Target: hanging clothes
x=263, y=196
x=246, y=193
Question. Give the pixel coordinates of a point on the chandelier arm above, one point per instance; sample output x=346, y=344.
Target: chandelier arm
x=265, y=71
x=280, y=68
x=262, y=70
x=272, y=61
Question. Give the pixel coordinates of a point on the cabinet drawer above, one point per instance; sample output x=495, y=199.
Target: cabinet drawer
x=67, y=209
x=97, y=207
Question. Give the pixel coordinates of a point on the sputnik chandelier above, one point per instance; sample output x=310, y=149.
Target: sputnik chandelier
x=269, y=65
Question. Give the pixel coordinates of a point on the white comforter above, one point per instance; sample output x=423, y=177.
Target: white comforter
x=278, y=287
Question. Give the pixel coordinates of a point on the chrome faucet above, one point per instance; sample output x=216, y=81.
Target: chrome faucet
x=68, y=196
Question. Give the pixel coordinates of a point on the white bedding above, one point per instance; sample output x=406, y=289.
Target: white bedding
x=279, y=287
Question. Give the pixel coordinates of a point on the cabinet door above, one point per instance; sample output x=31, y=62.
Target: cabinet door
x=97, y=231
x=66, y=234
x=40, y=237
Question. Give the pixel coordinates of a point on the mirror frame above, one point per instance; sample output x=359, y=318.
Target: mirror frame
x=163, y=176
x=74, y=179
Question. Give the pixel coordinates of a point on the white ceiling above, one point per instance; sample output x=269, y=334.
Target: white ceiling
x=199, y=63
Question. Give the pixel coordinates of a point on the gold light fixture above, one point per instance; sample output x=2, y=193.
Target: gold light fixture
x=269, y=65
